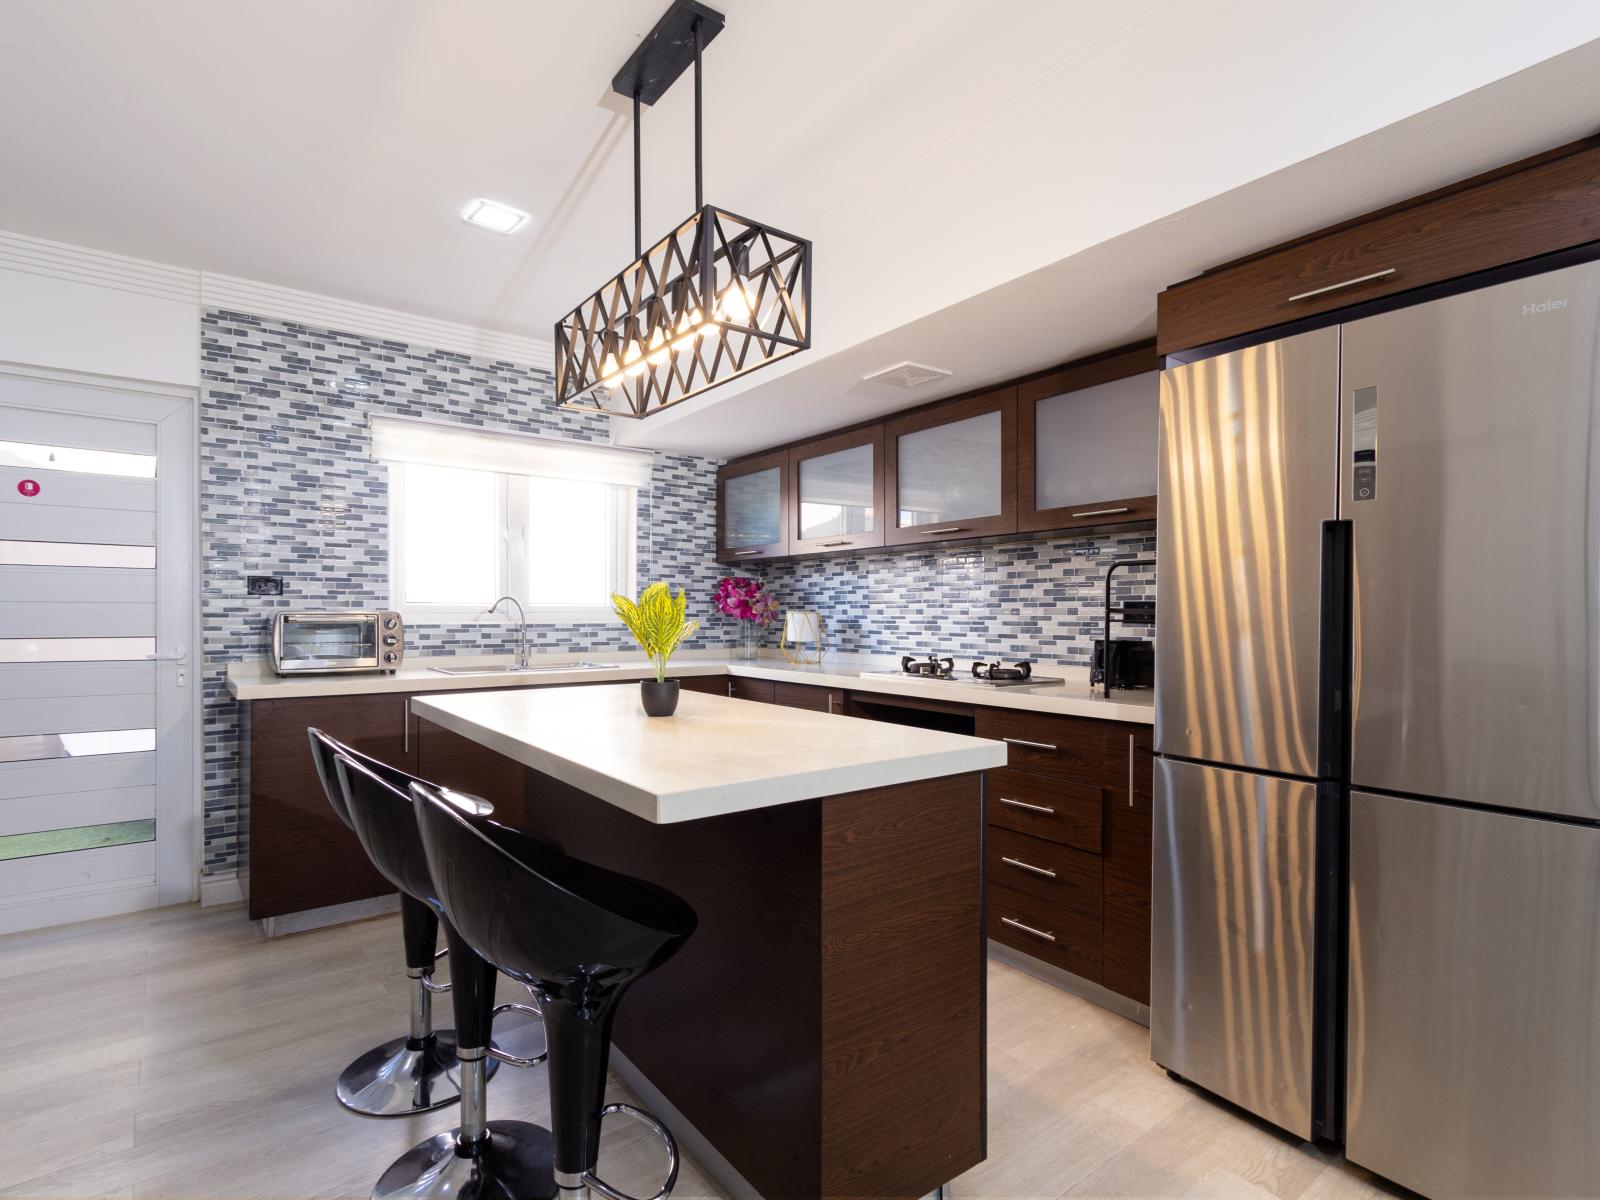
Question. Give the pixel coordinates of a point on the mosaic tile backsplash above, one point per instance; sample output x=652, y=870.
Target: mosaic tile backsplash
x=288, y=487
x=1040, y=600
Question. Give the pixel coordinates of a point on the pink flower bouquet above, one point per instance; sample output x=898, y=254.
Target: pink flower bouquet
x=746, y=600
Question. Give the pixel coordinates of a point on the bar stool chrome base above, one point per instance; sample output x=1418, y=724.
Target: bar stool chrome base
x=514, y=1162
x=394, y=1080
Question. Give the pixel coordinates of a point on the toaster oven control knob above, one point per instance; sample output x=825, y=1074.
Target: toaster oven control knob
x=390, y=656
x=390, y=622
x=389, y=639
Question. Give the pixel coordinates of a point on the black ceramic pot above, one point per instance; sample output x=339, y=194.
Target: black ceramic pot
x=660, y=699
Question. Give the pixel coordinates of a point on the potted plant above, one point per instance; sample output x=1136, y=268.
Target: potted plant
x=749, y=602
x=659, y=623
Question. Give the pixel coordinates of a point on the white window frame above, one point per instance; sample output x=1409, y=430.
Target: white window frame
x=621, y=505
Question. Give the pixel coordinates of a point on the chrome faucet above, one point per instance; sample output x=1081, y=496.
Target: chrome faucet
x=522, y=629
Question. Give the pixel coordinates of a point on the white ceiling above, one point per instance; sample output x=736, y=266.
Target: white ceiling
x=934, y=150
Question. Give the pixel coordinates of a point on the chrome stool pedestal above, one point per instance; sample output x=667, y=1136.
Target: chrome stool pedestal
x=411, y=1074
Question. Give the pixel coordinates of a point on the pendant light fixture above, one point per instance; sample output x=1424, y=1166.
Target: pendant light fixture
x=717, y=297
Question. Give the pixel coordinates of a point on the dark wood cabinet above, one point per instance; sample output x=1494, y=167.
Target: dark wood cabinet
x=761, y=690
x=1538, y=206
x=950, y=470
x=711, y=685
x=300, y=855
x=807, y=695
x=1130, y=780
x=836, y=493
x=453, y=761
x=753, y=508
x=1069, y=856
x=1086, y=442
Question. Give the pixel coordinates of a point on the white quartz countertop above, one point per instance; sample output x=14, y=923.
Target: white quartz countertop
x=1073, y=697
x=716, y=755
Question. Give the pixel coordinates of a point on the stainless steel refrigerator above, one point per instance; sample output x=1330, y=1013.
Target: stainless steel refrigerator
x=1389, y=531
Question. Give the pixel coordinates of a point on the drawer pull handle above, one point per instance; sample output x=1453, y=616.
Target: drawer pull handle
x=1334, y=287
x=745, y=553
x=840, y=542
x=1038, y=808
x=1102, y=512
x=1038, y=933
x=1031, y=745
x=1130, y=770
x=1017, y=862
x=946, y=529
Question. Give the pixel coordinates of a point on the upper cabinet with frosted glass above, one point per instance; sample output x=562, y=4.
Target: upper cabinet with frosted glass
x=951, y=470
x=836, y=493
x=753, y=508
x=1086, y=449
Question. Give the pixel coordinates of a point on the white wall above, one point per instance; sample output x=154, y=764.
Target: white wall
x=69, y=309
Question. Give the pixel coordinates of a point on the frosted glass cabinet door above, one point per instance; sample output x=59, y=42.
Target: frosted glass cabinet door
x=752, y=507
x=952, y=470
x=837, y=485
x=1088, y=454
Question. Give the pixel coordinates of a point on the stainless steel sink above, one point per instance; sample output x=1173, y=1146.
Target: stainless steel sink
x=551, y=668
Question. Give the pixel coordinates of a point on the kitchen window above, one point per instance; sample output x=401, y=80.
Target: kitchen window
x=475, y=514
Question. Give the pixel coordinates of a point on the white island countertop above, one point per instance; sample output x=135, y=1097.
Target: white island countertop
x=715, y=756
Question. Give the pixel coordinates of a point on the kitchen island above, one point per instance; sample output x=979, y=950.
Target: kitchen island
x=822, y=1034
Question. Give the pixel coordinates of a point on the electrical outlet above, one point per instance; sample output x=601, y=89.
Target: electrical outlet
x=263, y=585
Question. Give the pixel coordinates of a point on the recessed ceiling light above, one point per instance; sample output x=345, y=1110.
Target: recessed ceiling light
x=495, y=217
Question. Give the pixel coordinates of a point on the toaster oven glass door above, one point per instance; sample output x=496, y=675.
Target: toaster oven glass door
x=328, y=643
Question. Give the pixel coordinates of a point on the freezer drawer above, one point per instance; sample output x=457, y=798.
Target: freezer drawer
x=1249, y=456
x=1232, y=937
x=1472, y=482
x=1474, y=1008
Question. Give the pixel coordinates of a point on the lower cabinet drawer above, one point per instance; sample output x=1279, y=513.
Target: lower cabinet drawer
x=1044, y=744
x=761, y=690
x=1045, y=931
x=1052, y=872
x=1054, y=809
x=807, y=695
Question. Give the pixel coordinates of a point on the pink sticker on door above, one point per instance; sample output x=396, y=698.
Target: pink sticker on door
x=28, y=487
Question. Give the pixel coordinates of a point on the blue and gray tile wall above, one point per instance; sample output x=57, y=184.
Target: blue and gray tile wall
x=289, y=487
x=1042, y=600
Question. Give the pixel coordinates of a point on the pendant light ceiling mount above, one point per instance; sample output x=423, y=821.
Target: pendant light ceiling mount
x=717, y=297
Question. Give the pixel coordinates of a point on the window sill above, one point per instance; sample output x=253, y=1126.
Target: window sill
x=554, y=615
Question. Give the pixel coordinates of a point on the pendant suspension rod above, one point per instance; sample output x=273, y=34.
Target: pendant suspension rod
x=638, y=194
x=699, y=189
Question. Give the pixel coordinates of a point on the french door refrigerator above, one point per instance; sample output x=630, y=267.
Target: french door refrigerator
x=1464, y=471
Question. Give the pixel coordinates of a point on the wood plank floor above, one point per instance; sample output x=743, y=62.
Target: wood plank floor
x=177, y=1054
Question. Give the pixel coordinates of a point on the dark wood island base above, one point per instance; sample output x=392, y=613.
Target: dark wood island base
x=824, y=1027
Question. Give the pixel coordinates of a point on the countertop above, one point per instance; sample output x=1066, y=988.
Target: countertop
x=256, y=681
x=716, y=755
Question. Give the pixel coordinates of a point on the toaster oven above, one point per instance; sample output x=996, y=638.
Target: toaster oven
x=337, y=640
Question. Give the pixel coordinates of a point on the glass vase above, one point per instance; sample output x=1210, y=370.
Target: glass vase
x=749, y=640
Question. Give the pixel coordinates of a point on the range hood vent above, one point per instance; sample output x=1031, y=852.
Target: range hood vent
x=907, y=375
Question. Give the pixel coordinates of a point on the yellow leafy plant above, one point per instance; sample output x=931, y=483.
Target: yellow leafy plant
x=658, y=621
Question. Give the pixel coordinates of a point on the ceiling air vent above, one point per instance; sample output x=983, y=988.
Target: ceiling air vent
x=906, y=375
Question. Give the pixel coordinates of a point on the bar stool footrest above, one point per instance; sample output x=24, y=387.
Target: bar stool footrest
x=668, y=1142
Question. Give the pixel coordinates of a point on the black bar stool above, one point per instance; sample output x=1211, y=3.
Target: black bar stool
x=577, y=936
x=475, y=1160
x=417, y=1072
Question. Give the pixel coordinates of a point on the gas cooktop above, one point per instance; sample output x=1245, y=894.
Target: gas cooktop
x=939, y=669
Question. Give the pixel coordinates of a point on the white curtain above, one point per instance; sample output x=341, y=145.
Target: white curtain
x=435, y=443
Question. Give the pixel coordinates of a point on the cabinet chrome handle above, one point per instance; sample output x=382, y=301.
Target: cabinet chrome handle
x=840, y=542
x=1038, y=933
x=1102, y=512
x=946, y=529
x=730, y=687
x=405, y=723
x=1130, y=770
x=1017, y=862
x=745, y=553
x=830, y=702
x=1030, y=745
x=1334, y=287
x=1038, y=808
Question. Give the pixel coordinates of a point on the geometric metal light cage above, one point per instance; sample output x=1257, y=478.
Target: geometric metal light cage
x=718, y=297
